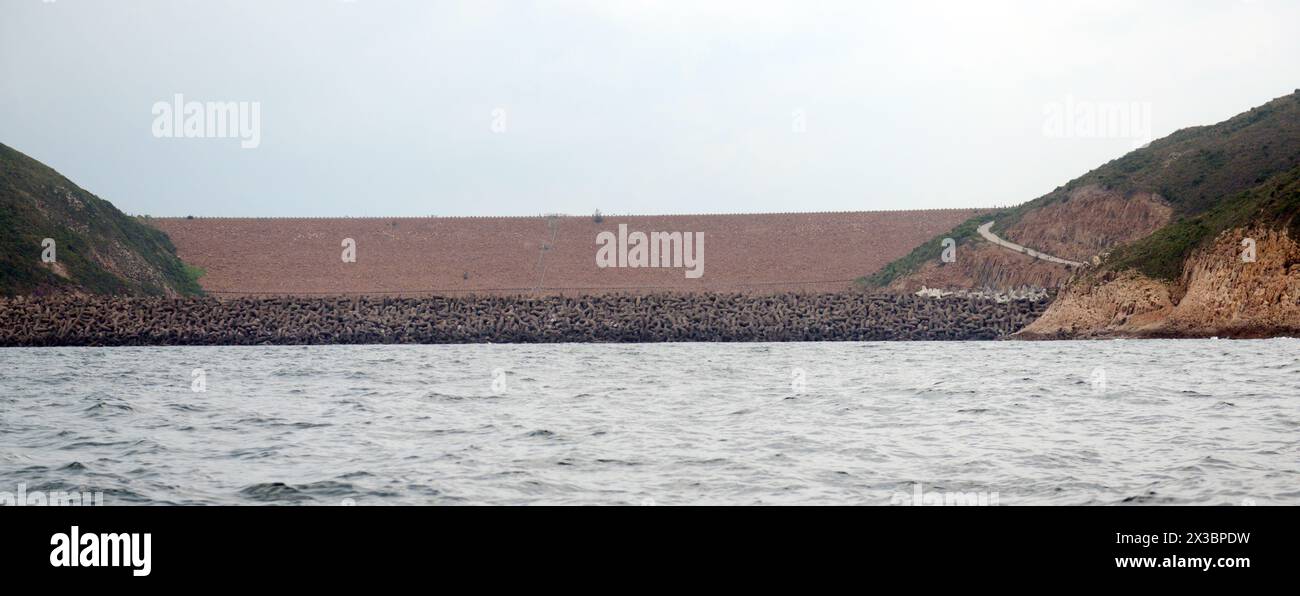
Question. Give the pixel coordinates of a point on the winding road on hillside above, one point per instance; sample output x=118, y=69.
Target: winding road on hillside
x=985, y=231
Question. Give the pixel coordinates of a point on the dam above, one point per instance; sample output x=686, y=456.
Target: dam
x=542, y=255
x=770, y=278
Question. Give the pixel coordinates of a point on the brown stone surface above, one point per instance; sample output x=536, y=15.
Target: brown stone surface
x=1218, y=295
x=1090, y=222
x=750, y=253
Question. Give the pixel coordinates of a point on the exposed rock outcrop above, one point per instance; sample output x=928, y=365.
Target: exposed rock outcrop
x=1091, y=221
x=1219, y=294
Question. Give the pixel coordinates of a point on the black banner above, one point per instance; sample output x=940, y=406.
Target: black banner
x=170, y=546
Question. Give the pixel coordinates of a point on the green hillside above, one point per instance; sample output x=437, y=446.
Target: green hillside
x=1274, y=204
x=1194, y=169
x=98, y=248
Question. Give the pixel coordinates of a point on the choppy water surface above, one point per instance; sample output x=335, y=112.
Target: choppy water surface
x=1203, y=422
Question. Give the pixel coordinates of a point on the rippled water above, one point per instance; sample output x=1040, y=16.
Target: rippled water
x=1186, y=421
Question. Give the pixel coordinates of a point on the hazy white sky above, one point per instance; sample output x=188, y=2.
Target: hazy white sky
x=373, y=107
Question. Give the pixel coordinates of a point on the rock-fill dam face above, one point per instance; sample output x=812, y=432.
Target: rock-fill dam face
x=545, y=255
x=76, y=320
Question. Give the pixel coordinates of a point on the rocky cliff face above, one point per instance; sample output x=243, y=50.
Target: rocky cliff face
x=1089, y=222
x=1219, y=294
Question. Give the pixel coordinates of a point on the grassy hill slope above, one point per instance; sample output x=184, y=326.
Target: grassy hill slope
x=1272, y=205
x=98, y=248
x=1192, y=169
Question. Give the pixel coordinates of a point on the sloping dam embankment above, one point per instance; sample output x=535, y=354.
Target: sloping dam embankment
x=414, y=256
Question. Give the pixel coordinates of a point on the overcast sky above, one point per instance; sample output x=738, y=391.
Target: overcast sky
x=373, y=107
